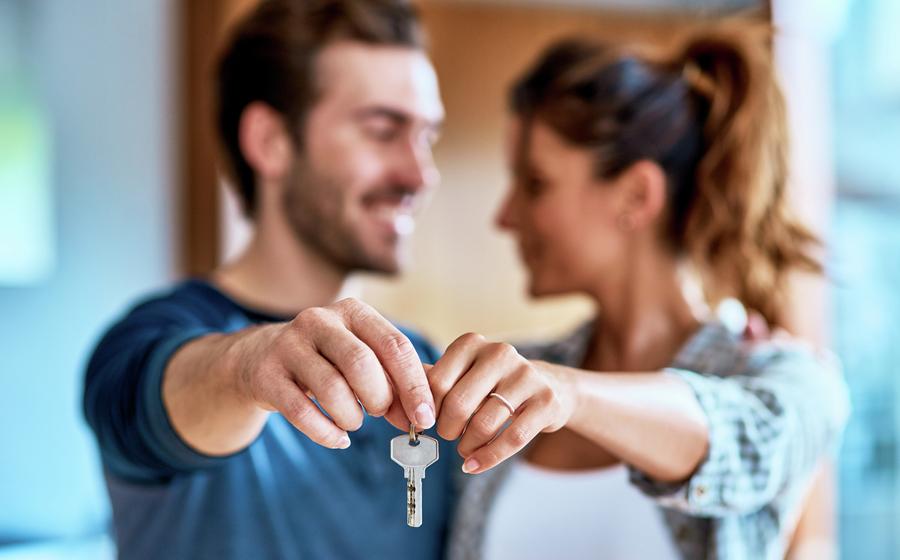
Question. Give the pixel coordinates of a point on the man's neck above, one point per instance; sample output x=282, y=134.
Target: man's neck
x=279, y=275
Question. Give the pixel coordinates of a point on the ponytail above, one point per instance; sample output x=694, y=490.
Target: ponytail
x=739, y=230
x=712, y=116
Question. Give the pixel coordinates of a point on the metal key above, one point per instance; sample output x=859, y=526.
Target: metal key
x=414, y=453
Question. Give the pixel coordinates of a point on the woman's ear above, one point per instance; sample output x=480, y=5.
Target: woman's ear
x=642, y=195
x=265, y=142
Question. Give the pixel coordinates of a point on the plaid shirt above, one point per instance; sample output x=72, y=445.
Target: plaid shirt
x=773, y=413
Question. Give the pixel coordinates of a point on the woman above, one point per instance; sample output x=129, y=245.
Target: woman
x=628, y=171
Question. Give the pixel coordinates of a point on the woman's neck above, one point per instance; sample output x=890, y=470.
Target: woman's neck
x=643, y=317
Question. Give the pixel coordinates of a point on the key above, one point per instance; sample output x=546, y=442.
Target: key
x=414, y=453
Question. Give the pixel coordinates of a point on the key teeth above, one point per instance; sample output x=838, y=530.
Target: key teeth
x=411, y=504
x=402, y=455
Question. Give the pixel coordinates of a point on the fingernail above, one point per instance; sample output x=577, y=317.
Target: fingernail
x=470, y=466
x=343, y=443
x=425, y=416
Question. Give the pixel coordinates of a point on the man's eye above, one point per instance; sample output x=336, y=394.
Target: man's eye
x=383, y=133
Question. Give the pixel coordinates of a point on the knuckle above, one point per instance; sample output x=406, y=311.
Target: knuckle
x=351, y=308
x=455, y=405
x=377, y=399
x=346, y=303
x=440, y=386
x=347, y=415
x=518, y=436
x=469, y=339
x=310, y=317
x=297, y=412
x=545, y=397
x=357, y=361
x=502, y=351
x=517, y=377
x=397, y=347
x=482, y=426
x=331, y=386
x=417, y=390
x=525, y=373
x=491, y=456
x=379, y=407
x=553, y=400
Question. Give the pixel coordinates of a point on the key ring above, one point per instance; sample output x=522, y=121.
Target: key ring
x=413, y=436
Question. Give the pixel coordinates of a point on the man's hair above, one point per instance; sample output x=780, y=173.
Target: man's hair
x=270, y=57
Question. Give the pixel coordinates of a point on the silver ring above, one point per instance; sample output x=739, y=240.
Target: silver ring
x=506, y=403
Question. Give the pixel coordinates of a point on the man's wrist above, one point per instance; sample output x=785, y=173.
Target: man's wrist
x=237, y=360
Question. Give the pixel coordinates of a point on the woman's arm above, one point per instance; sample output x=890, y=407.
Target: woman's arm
x=703, y=444
x=650, y=420
x=815, y=537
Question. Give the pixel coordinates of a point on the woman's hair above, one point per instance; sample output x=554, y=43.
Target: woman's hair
x=710, y=113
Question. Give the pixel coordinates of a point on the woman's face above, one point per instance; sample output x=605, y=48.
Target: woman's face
x=565, y=220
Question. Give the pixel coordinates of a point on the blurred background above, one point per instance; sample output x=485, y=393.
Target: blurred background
x=108, y=189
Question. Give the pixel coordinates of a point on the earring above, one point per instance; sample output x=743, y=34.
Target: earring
x=626, y=222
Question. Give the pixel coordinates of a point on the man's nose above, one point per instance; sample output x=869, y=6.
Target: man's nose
x=416, y=168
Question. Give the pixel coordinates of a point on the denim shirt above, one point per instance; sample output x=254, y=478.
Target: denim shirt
x=773, y=411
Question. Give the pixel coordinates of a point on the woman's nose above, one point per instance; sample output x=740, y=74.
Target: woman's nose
x=505, y=217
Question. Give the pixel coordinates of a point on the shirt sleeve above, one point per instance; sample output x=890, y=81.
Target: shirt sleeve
x=767, y=433
x=123, y=395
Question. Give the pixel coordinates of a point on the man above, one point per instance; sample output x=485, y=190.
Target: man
x=328, y=110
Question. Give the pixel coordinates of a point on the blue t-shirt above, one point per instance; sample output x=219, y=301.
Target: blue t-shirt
x=282, y=497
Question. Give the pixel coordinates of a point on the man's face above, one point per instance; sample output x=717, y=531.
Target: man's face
x=366, y=166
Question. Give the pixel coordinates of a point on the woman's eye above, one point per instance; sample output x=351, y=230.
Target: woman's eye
x=533, y=186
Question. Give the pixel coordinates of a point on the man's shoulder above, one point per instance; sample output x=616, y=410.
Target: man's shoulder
x=190, y=302
x=192, y=291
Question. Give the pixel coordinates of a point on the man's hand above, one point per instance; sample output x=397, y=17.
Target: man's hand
x=342, y=356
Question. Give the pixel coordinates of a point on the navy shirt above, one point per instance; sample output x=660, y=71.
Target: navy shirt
x=282, y=497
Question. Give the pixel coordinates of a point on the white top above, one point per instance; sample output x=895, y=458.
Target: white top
x=541, y=513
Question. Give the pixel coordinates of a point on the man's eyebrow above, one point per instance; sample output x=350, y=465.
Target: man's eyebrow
x=398, y=116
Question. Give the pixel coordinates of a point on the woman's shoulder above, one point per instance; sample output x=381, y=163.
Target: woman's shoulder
x=715, y=348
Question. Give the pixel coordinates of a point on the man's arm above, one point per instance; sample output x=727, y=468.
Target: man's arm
x=219, y=389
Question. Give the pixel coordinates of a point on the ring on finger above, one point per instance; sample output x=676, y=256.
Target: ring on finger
x=505, y=401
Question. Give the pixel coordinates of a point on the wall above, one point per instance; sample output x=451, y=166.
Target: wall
x=102, y=69
x=466, y=275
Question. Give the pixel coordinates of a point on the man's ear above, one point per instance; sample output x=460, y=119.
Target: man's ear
x=265, y=141
x=642, y=194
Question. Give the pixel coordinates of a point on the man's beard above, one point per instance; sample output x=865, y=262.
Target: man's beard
x=313, y=205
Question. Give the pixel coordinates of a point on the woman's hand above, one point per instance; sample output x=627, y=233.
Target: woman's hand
x=542, y=399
